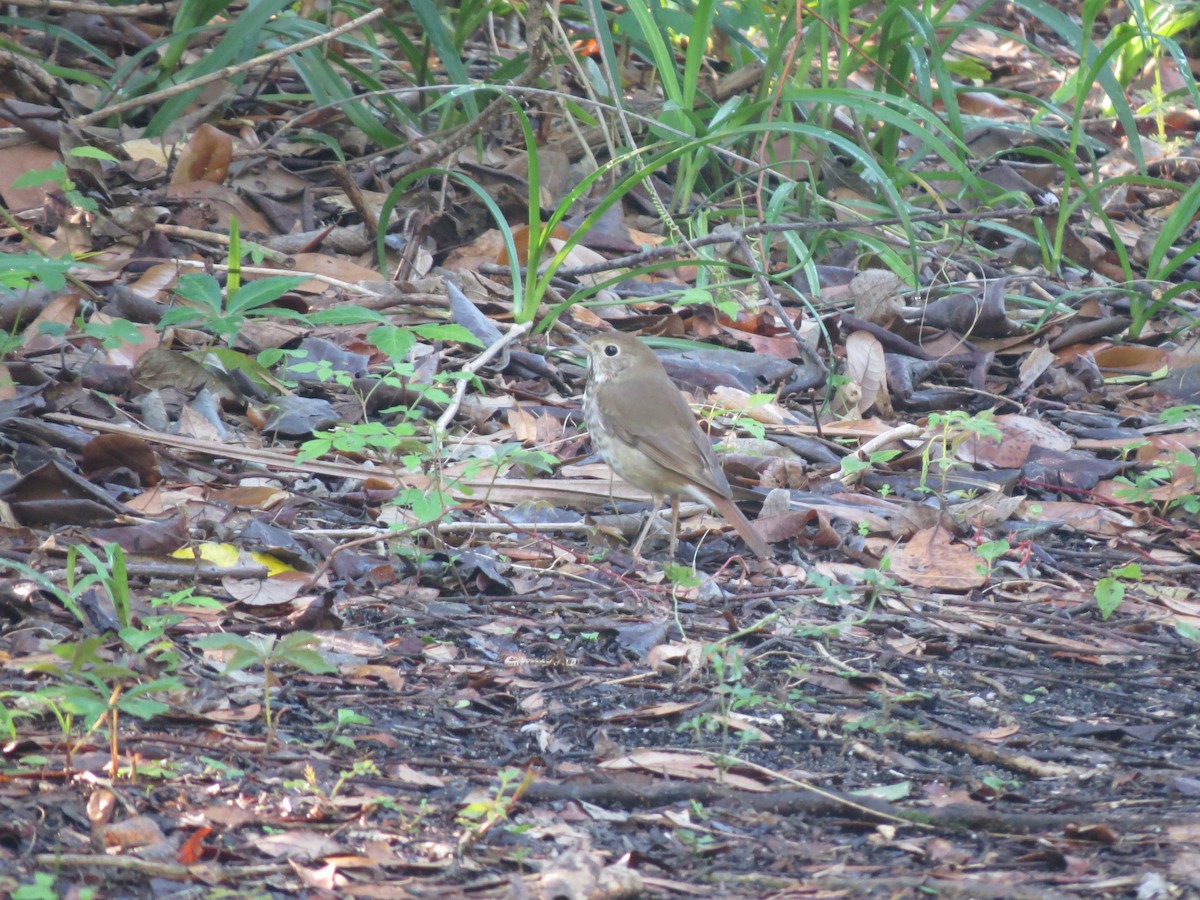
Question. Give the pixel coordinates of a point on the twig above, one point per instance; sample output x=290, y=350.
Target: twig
x=894, y=435
x=210, y=873
x=668, y=251
x=506, y=528
x=474, y=366
x=225, y=73
x=350, y=187
x=768, y=291
x=585, y=83
x=262, y=270
x=153, y=568
x=211, y=237
x=33, y=70
x=95, y=9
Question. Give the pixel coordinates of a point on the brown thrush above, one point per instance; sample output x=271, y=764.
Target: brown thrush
x=644, y=429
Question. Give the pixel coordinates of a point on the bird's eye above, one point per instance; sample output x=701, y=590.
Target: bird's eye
x=611, y=349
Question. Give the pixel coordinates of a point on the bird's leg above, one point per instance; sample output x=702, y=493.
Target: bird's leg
x=674, y=525
x=657, y=505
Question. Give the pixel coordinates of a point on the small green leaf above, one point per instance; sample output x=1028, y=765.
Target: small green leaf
x=256, y=294
x=439, y=332
x=350, y=717
x=1129, y=572
x=221, y=642
x=345, y=315
x=203, y=290
x=969, y=68
x=1109, y=593
x=852, y=465
x=143, y=709
x=393, y=342
x=993, y=550
x=57, y=174
x=681, y=576
x=92, y=153
x=309, y=661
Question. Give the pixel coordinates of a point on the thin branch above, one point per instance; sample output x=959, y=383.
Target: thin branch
x=460, y=390
x=184, y=233
x=671, y=251
x=96, y=9
x=772, y=297
x=225, y=73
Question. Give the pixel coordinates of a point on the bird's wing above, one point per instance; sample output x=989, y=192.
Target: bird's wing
x=640, y=418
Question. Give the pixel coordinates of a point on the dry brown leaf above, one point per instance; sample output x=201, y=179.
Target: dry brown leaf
x=1018, y=436
x=1093, y=650
x=214, y=204
x=193, y=848
x=386, y=674
x=667, y=657
x=156, y=279
x=685, y=766
x=337, y=267
x=249, y=496
x=578, y=255
x=792, y=160
x=140, y=831
x=127, y=353
x=205, y=158
x=440, y=652
x=20, y=159
x=877, y=296
x=274, y=591
x=931, y=559
x=809, y=526
x=61, y=311
x=523, y=425
x=408, y=775
x=646, y=239
x=113, y=451
x=865, y=368
x=735, y=400
x=1089, y=518
x=325, y=878
x=1036, y=362
x=295, y=844
x=997, y=735
x=1163, y=448
x=148, y=503
x=521, y=240
x=1136, y=360
x=658, y=711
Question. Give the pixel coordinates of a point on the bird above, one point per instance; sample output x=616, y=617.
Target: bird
x=644, y=429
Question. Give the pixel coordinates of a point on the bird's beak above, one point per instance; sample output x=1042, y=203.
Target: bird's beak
x=576, y=347
x=582, y=346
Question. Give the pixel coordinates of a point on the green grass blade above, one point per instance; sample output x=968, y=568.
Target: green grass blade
x=60, y=34
x=442, y=41
x=674, y=113
x=698, y=38
x=239, y=42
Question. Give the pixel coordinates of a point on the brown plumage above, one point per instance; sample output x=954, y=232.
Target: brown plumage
x=644, y=429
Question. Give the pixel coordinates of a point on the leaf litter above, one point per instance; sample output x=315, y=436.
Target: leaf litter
x=342, y=596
